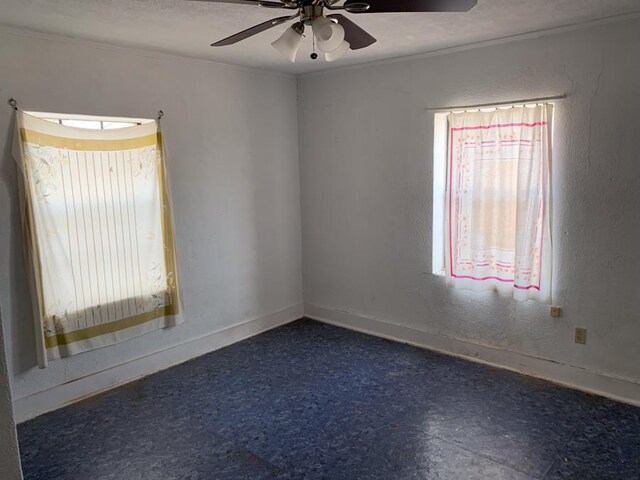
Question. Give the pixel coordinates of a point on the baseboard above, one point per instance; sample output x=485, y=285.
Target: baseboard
x=614, y=387
x=53, y=398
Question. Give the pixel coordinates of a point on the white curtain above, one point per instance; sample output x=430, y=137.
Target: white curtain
x=497, y=234
x=98, y=232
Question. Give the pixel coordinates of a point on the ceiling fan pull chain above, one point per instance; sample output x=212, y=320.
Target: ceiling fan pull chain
x=313, y=55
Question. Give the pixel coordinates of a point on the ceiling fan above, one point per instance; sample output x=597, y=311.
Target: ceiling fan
x=333, y=34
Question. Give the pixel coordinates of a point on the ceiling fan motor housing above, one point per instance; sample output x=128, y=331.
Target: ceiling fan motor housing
x=308, y=13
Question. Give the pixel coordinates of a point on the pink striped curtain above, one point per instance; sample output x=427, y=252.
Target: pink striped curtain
x=497, y=202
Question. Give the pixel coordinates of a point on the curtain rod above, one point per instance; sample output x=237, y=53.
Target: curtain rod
x=498, y=104
x=13, y=103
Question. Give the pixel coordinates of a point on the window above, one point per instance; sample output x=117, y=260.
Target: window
x=90, y=122
x=99, y=230
x=491, y=200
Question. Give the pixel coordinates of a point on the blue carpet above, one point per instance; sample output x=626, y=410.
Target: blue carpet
x=309, y=400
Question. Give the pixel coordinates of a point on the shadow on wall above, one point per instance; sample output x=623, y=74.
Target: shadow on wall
x=19, y=324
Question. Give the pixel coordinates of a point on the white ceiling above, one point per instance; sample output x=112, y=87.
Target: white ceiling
x=187, y=27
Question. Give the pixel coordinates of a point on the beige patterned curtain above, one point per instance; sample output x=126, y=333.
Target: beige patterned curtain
x=98, y=234
x=497, y=201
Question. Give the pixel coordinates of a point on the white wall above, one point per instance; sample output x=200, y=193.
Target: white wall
x=366, y=147
x=231, y=138
x=9, y=456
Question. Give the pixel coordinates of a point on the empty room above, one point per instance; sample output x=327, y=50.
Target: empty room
x=319, y=239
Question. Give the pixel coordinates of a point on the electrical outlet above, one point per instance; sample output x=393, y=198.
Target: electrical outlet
x=554, y=311
x=581, y=335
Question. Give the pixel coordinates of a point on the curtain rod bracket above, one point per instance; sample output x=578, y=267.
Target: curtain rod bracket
x=13, y=103
x=160, y=114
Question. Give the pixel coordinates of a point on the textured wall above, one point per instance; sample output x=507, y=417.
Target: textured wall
x=366, y=179
x=231, y=138
x=9, y=456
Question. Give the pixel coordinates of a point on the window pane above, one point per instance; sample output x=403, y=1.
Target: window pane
x=112, y=125
x=91, y=124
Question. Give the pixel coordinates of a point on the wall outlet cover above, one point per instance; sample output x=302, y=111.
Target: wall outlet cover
x=581, y=336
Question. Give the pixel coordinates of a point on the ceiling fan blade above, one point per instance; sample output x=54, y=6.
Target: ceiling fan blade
x=355, y=35
x=249, y=32
x=385, y=6
x=266, y=3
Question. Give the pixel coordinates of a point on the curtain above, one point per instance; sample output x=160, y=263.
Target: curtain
x=98, y=234
x=497, y=202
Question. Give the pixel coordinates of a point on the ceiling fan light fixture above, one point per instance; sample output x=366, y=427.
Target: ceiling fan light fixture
x=329, y=35
x=289, y=41
x=334, y=55
x=330, y=31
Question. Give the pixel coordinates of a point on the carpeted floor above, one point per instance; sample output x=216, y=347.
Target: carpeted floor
x=309, y=400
